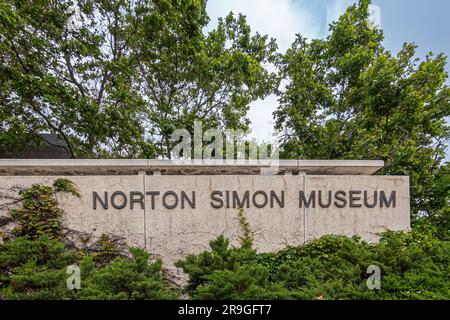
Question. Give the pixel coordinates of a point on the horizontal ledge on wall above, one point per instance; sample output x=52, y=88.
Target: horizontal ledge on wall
x=186, y=167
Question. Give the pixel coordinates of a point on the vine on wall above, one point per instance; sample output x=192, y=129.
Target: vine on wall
x=247, y=238
x=40, y=213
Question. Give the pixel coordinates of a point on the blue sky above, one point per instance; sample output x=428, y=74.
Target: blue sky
x=423, y=22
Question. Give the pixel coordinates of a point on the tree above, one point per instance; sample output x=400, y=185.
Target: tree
x=115, y=78
x=188, y=75
x=347, y=97
x=74, y=81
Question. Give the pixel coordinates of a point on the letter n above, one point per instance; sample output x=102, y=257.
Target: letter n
x=103, y=203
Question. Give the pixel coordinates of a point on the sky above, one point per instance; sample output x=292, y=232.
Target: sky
x=424, y=22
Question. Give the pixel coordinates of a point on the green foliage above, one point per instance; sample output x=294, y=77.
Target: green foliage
x=120, y=82
x=221, y=257
x=40, y=214
x=413, y=265
x=34, y=265
x=34, y=269
x=65, y=185
x=347, y=97
x=37, y=269
x=244, y=282
x=247, y=238
x=102, y=251
x=124, y=278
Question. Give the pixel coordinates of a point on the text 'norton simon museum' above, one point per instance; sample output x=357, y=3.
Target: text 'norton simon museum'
x=175, y=207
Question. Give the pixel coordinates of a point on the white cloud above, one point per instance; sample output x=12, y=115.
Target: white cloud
x=280, y=19
x=336, y=9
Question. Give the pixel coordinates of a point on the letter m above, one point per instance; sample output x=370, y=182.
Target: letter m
x=385, y=202
x=311, y=199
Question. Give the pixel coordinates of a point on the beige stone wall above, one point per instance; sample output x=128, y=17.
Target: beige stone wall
x=78, y=212
x=173, y=233
x=365, y=222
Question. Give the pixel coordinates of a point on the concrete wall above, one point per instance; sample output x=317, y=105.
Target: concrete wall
x=173, y=233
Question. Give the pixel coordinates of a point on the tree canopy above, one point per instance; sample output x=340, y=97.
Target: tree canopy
x=114, y=79
x=347, y=97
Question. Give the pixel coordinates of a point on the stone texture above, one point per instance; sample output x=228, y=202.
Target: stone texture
x=78, y=212
x=366, y=222
x=174, y=233
x=126, y=223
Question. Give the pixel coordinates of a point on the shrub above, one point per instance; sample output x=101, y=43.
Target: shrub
x=124, y=278
x=222, y=257
x=414, y=265
x=37, y=269
x=34, y=265
x=34, y=269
